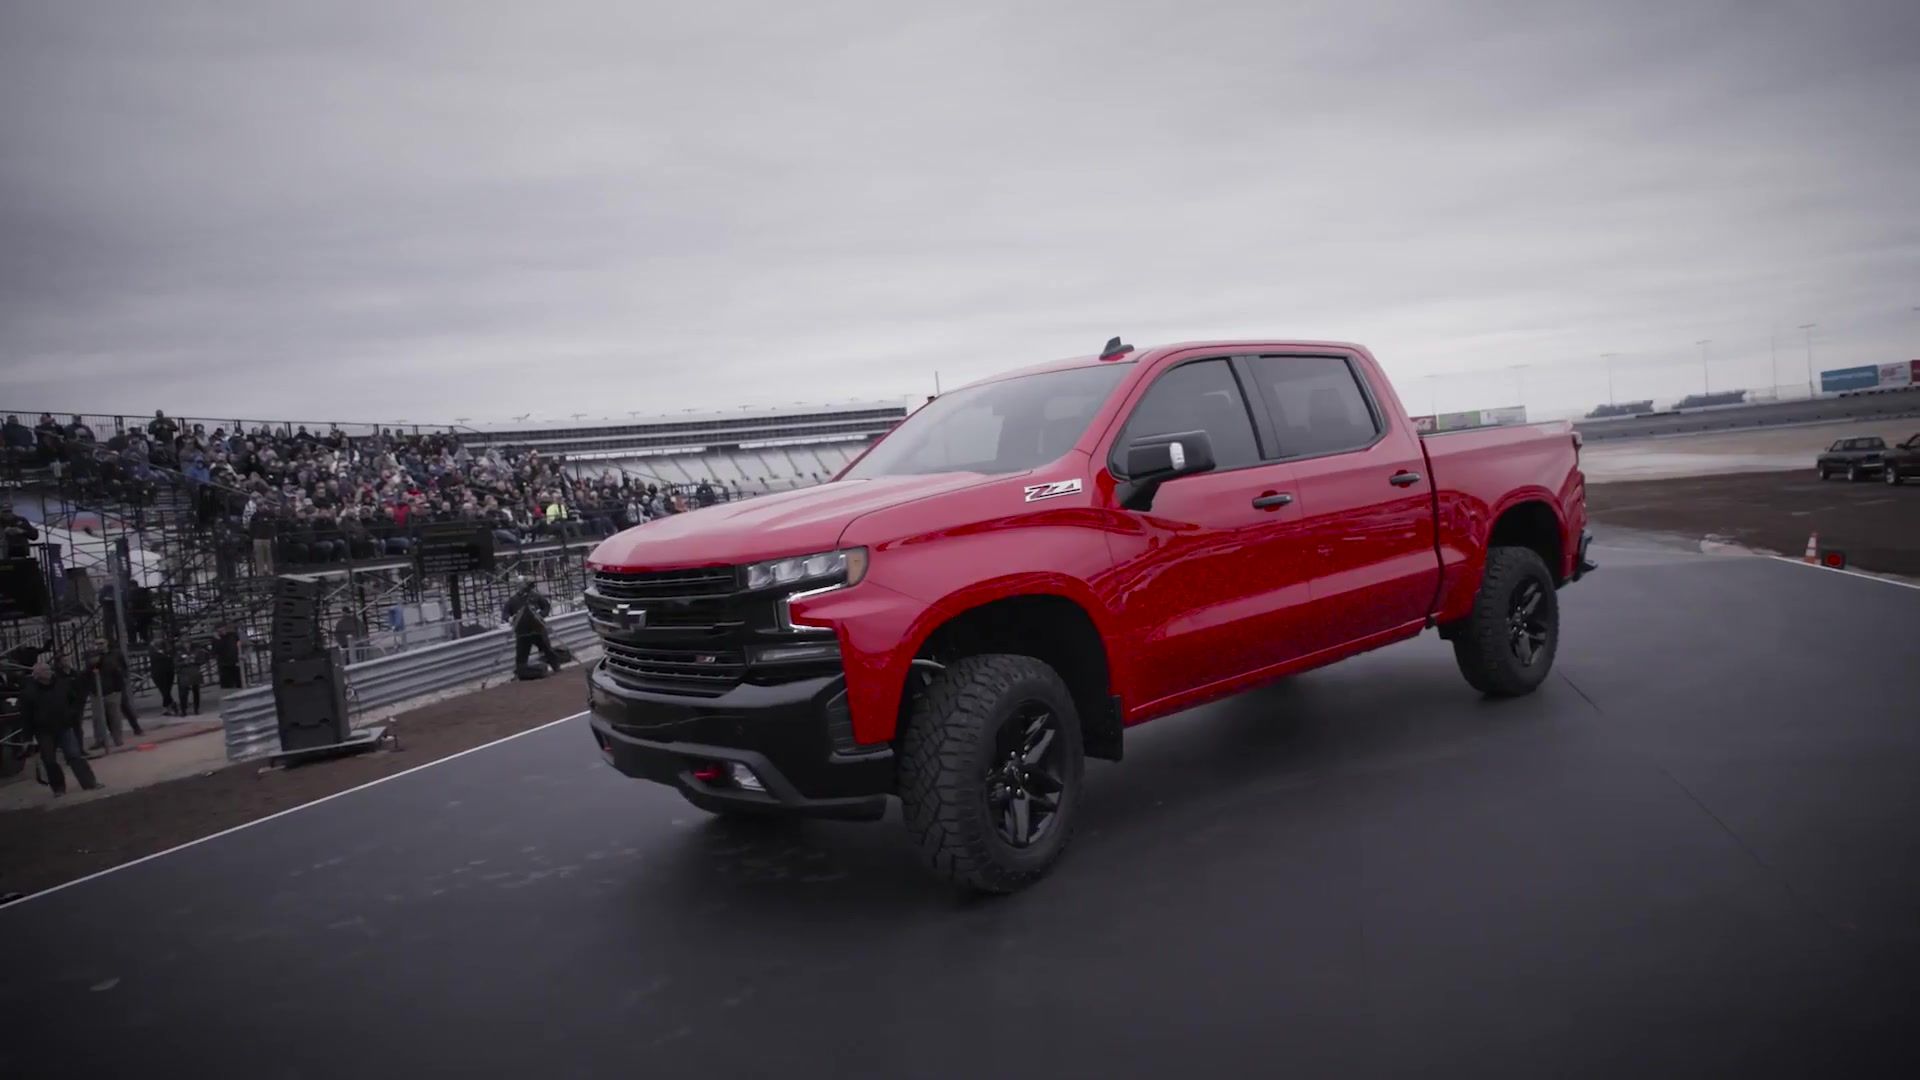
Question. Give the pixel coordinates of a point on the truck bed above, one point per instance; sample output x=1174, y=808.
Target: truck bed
x=1478, y=473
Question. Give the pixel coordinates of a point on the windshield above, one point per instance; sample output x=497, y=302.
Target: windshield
x=999, y=427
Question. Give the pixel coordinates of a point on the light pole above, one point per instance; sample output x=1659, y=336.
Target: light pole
x=1773, y=356
x=1433, y=397
x=1520, y=383
x=1608, y=357
x=1706, y=376
x=1808, y=327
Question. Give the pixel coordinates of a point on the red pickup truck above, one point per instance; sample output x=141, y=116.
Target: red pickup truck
x=1024, y=568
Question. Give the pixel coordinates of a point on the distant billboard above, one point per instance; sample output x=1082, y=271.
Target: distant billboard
x=1425, y=424
x=1896, y=374
x=1853, y=378
x=1457, y=421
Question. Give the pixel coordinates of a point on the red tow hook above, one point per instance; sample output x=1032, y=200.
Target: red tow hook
x=711, y=773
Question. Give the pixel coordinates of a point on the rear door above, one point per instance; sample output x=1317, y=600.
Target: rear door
x=1362, y=489
x=1216, y=583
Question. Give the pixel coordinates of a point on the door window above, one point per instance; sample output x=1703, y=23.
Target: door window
x=1316, y=403
x=1198, y=396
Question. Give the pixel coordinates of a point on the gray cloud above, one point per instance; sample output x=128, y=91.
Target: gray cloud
x=451, y=210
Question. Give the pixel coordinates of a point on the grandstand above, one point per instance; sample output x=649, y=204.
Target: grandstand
x=748, y=452
x=198, y=551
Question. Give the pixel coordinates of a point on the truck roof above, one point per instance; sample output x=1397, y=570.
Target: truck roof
x=1154, y=352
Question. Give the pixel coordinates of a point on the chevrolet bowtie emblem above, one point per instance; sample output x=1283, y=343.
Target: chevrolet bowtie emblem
x=631, y=616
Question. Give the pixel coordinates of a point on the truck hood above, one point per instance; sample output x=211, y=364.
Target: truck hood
x=769, y=526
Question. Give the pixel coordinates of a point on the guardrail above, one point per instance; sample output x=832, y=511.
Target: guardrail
x=252, y=724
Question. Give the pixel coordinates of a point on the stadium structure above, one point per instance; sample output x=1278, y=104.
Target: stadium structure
x=751, y=452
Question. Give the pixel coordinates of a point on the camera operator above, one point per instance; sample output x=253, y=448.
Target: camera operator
x=527, y=610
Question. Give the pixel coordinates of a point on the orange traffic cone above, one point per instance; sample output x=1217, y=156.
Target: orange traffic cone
x=1813, y=547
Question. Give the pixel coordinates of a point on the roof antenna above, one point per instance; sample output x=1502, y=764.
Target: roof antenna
x=1115, y=350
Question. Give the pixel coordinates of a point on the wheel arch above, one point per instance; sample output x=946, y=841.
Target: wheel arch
x=1056, y=629
x=1534, y=522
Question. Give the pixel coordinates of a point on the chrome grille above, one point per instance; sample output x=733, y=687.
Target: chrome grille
x=666, y=584
x=690, y=671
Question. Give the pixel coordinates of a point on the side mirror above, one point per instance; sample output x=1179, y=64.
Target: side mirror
x=1152, y=460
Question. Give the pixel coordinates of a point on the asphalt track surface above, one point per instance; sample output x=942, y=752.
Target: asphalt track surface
x=1695, y=851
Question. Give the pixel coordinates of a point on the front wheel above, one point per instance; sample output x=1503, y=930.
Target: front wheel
x=990, y=766
x=1854, y=474
x=1822, y=470
x=1505, y=646
x=1892, y=476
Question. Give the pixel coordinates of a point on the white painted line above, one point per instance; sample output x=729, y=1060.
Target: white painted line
x=1849, y=573
x=283, y=813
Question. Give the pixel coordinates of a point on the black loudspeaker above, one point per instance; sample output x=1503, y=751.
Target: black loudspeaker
x=310, y=699
x=296, y=623
x=23, y=591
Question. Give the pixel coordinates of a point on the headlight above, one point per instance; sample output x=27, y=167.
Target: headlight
x=845, y=567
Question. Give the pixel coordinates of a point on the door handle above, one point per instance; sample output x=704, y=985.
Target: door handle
x=1272, y=501
x=1403, y=478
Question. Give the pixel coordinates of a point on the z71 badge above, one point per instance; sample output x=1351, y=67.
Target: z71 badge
x=1036, y=492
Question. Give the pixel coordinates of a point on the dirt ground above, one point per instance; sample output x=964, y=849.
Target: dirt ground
x=1876, y=525
x=51, y=843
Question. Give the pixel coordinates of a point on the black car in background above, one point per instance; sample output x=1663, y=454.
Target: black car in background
x=1855, y=459
x=1901, y=461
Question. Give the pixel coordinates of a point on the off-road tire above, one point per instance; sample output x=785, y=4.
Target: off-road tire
x=945, y=752
x=1482, y=643
x=1855, y=474
x=1892, y=477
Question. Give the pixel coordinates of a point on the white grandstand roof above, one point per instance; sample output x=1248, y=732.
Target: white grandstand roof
x=688, y=417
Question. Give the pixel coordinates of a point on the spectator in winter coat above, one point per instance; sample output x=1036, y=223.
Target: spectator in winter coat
x=46, y=706
x=18, y=438
x=226, y=655
x=261, y=526
x=187, y=677
x=160, y=666
x=162, y=429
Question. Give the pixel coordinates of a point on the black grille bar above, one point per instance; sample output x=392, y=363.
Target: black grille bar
x=694, y=671
x=666, y=584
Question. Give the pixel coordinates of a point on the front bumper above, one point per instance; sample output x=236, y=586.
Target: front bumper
x=794, y=736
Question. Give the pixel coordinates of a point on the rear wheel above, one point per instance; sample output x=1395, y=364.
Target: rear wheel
x=1505, y=647
x=990, y=771
x=1892, y=476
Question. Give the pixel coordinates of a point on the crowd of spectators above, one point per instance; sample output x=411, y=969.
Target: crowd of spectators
x=289, y=496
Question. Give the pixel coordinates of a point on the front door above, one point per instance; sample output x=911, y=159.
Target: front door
x=1214, y=575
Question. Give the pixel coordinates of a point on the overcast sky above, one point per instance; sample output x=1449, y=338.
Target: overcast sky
x=428, y=211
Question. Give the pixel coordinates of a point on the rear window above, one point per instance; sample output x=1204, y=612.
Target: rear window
x=1007, y=426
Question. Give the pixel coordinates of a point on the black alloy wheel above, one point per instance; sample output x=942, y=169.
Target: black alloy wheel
x=1025, y=778
x=990, y=767
x=1527, y=627
x=1506, y=644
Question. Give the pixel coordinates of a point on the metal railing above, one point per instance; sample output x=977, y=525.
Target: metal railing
x=252, y=724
